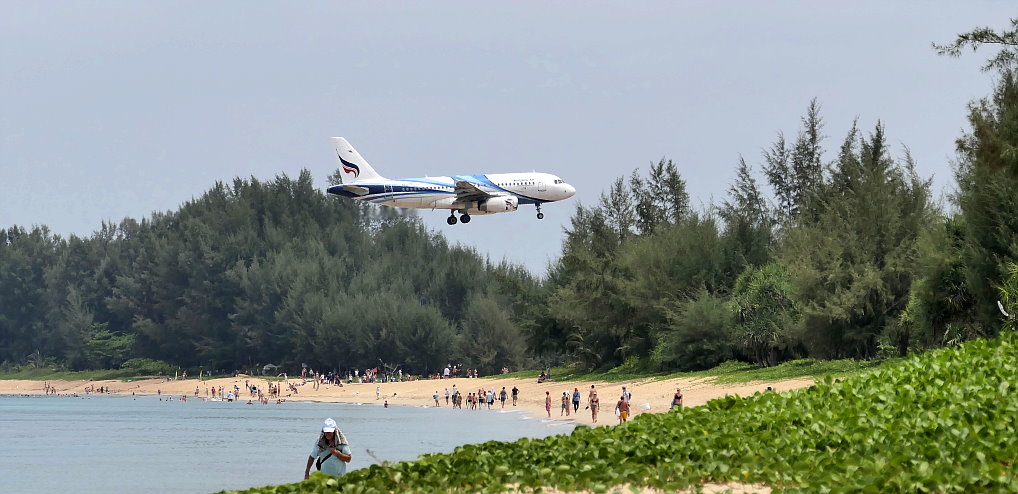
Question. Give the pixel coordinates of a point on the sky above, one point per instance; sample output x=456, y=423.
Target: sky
x=120, y=109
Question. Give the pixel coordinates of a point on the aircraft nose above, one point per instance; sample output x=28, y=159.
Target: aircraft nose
x=569, y=190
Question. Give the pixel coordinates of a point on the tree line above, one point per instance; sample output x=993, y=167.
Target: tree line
x=252, y=273
x=826, y=253
x=844, y=253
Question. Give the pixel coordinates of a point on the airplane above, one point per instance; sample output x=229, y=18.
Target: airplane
x=467, y=194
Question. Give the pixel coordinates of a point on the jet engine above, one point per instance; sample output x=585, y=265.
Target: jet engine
x=497, y=204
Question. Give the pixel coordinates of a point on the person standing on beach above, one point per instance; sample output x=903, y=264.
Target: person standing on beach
x=593, y=404
x=435, y=396
x=331, y=452
x=447, y=391
x=565, y=405
x=516, y=394
x=576, y=400
x=547, y=402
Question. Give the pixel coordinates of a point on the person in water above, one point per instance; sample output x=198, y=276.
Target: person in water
x=331, y=452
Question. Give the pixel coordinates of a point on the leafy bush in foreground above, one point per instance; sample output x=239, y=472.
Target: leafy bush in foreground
x=940, y=422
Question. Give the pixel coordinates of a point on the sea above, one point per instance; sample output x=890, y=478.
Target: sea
x=152, y=444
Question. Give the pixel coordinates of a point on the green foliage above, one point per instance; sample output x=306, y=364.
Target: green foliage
x=767, y=313
x=796, y=172
x=942, y=422
x=1005, y=41
x=106, y=349
x=148, y=367
x=940, y=307
x=698, y=335
x=749, y=225
x=987, y=180
x=851, y=266
x=489, y=337
x=1009, y=298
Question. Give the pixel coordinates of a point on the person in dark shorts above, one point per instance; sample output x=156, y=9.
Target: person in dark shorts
x=516, y=394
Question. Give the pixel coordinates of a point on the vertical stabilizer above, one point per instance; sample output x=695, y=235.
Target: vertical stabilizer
x=353, y=167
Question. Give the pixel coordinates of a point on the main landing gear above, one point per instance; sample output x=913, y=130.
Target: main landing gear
x=464, y=217
x=540, y=215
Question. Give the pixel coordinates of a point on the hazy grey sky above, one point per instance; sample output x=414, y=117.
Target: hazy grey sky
x=118, y=109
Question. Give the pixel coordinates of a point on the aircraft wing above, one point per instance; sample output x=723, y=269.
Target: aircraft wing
x=466, y=191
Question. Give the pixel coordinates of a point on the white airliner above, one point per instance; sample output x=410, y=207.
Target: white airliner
x=468, y=194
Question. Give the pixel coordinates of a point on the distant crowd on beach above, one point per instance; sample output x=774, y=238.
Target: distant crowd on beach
x=569, y=401
x=373, y=376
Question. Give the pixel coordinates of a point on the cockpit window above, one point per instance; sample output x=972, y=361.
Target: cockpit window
x=558, y=181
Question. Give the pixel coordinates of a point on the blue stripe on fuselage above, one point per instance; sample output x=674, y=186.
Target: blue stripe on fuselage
x=377, y=191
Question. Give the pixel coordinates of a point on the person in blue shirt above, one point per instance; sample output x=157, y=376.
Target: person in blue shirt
x=331, y=452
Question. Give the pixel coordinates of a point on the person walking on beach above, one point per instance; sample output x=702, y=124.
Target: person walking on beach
x=547, y=402
x=502, y=396
x=447, y=393
x=516, y=394
x=565, y=405
x=331, y=452
x=593, y=403
x=623, y=407
x=677, y=399
x=576, y=400
x=626, y=395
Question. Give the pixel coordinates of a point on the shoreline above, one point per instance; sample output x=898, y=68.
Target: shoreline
x=648, y=396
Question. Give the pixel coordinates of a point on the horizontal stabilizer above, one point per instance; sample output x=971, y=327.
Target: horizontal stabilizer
x=356, y=189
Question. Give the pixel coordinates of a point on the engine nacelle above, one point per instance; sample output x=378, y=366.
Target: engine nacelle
x=498, y=204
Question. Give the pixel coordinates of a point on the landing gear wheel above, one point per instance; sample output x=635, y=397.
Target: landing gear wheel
x=540, y=216
x=465, y=218
x=451, y=220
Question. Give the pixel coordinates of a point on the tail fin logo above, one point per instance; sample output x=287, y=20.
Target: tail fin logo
x=349, y=167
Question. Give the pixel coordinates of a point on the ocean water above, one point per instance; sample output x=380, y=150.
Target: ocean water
x=107, y=444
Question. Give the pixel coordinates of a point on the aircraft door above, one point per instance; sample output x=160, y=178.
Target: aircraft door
x=388, y=188
x=542, y=186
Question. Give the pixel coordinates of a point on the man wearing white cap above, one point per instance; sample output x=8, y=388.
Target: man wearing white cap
x=331, y=452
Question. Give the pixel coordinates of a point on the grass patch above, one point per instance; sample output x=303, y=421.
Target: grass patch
x=740, y=372
x=54, y=375
x=730, y=372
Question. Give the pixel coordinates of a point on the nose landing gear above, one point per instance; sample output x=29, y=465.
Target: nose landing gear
x=540, y=215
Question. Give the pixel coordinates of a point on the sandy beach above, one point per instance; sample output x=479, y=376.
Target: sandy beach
x=648, y=395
